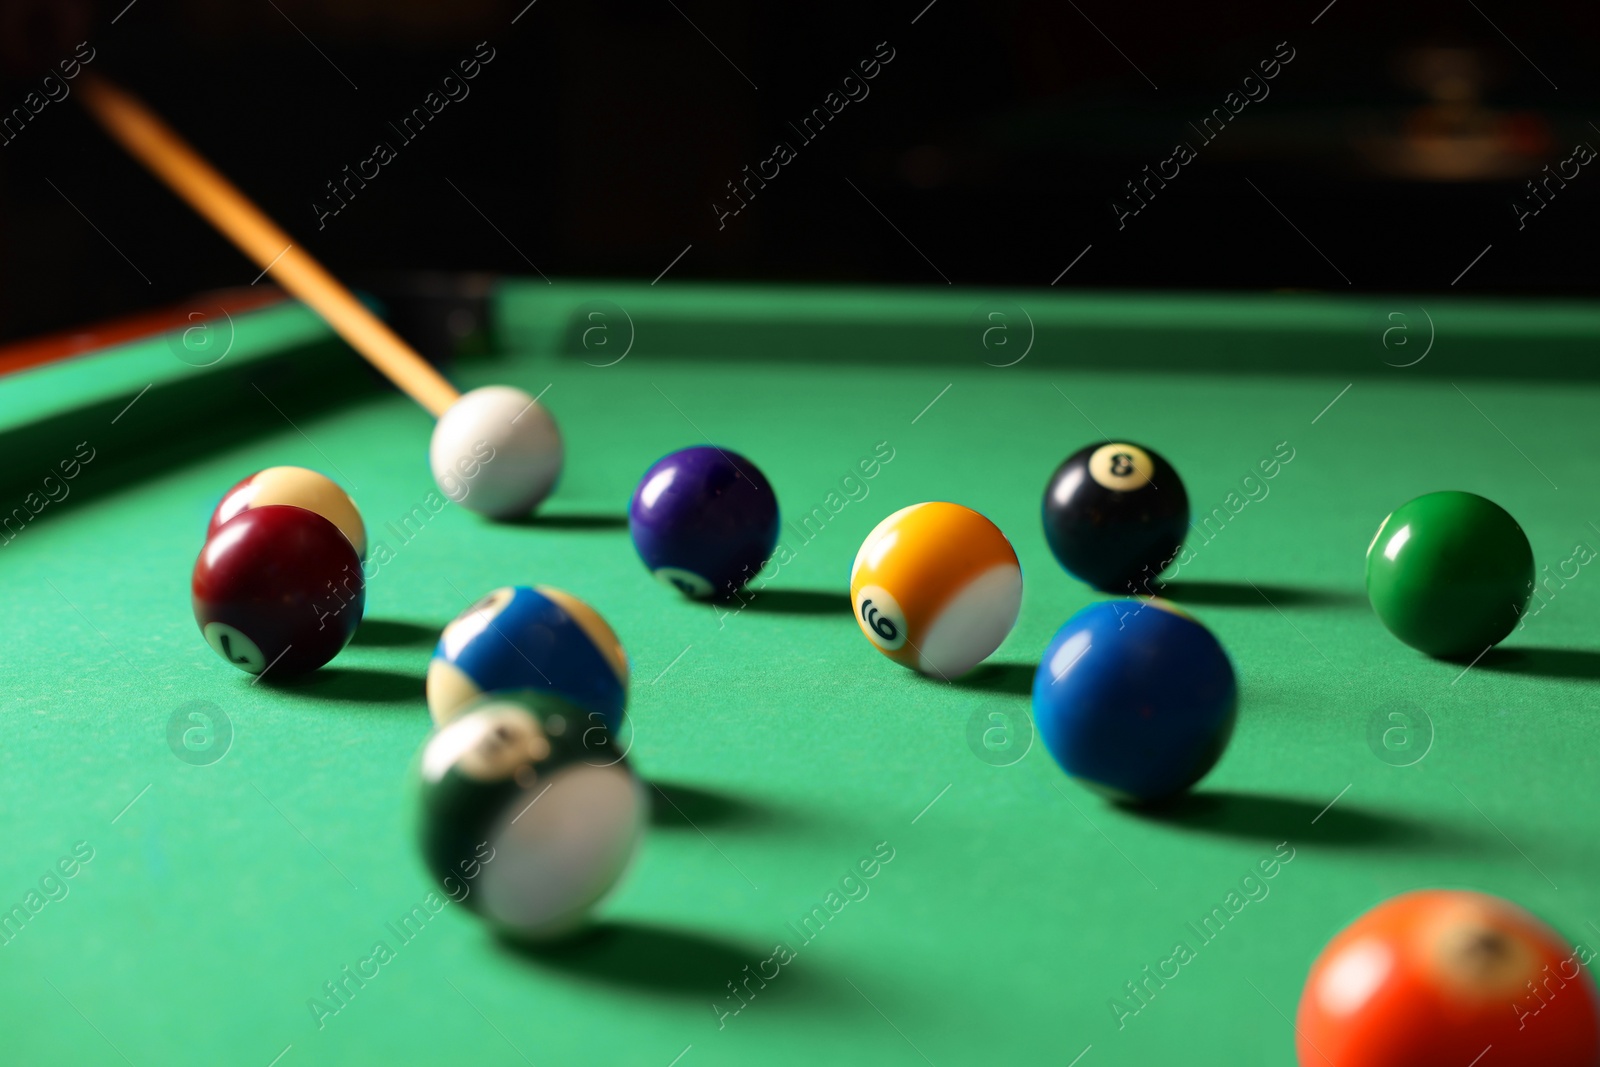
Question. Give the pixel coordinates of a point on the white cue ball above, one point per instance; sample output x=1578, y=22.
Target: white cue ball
x=496, y=451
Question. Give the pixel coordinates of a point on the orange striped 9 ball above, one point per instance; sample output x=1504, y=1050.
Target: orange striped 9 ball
x=936, y=587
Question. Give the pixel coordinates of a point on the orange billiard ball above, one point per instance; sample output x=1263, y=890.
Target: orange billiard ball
x=936, y=587
x=1447, y=978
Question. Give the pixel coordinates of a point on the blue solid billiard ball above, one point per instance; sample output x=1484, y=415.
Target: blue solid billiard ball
x=1135, y=699
x=521, y=638
x=705, y=521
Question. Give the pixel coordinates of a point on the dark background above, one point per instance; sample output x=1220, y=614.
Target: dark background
x=989, y=150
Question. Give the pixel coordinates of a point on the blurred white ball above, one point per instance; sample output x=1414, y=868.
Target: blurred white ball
x=496, y=451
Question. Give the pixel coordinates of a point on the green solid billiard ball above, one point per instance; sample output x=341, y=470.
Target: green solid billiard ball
x=1450, y=573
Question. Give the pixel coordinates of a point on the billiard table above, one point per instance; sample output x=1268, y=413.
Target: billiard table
x=848, y=863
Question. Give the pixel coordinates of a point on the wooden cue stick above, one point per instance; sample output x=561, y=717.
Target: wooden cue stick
x=156, y=145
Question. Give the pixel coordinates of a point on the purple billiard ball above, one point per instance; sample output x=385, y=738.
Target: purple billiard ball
x=705, y=521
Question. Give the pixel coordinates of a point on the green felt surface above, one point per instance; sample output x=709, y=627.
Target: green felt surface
x=1285, y=333
x=120, y=372
x=221, y=898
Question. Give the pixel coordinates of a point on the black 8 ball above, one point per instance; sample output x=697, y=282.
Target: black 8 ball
x=1115, y=514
